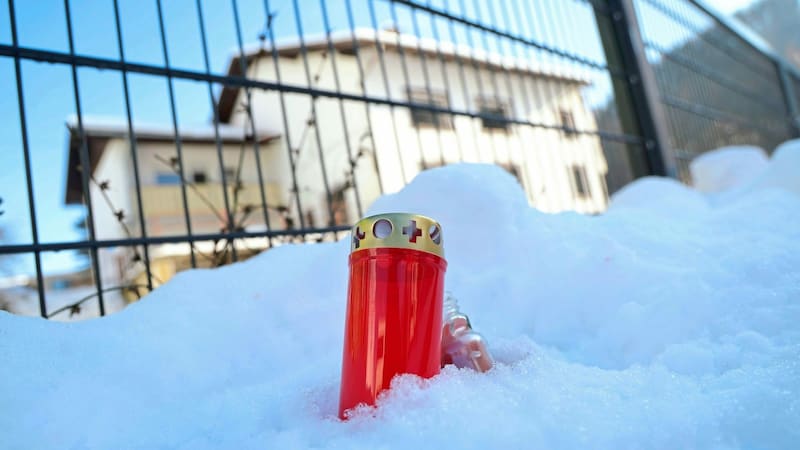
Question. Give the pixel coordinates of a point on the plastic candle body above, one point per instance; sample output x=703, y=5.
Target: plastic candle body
x=394, y=305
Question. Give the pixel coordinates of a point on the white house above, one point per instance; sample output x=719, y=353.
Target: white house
x=115, y=199
x=559, y=170
x=360, y=148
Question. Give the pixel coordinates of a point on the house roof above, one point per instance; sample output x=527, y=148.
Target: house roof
x=99, y=130
x=343, y=41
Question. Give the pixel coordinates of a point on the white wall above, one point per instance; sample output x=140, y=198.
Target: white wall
x=544, y=156
x=116, y=167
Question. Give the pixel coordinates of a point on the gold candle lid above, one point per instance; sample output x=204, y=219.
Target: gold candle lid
x=398, y=230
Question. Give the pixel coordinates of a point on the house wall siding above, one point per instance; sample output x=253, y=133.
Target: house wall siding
x=544, y=157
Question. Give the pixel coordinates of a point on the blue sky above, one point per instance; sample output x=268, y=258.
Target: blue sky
x=49, y=99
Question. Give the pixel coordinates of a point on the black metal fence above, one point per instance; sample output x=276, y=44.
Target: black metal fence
x=716, y=87
x=312, y=109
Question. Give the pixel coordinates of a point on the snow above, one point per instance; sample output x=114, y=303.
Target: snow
x=115, y=126
x=410, y=43
x=784, y=170
x=727, y=167
x=671, y=321
x=673, y=197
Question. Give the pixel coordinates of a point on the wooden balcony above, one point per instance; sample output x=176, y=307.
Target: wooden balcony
x=203, y=199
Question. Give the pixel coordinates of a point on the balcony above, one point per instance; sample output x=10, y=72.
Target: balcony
x=163, y=205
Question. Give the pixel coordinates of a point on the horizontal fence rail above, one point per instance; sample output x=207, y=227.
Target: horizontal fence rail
x=273, y=122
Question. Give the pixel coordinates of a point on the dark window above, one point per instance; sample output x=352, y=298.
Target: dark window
x=499, y=116
x=580, y=181
x=200, y=177
x=426, y=118
x=568, y=122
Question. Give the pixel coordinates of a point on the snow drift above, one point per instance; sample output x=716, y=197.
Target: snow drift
x=727, y=167
x=669, y=322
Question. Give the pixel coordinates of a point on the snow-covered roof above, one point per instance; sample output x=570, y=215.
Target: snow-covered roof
x=343, y=41
x=112, y=127
x=98, y=130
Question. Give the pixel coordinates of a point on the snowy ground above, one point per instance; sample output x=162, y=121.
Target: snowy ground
x=671, y=321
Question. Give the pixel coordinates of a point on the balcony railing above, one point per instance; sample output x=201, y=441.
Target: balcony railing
x=204, y=200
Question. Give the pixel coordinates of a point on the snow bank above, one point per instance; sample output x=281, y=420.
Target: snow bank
x=727, y=167
x=783, y=171
x=660, y=196
x=627, y=330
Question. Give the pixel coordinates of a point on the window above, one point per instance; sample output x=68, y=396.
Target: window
x=497, y=111
x=424, y=118
x=167, y=178
x=580, y=181
x=200, y=177
x=568, y=122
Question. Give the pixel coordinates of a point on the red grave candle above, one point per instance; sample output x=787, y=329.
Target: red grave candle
x=394, y=305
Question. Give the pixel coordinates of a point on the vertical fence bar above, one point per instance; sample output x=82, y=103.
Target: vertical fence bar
x=351, y=163
x=176, y=134
x=407, y=80
x=446, y=81
x=27, y=154
x=589, y=162
x=549, y=92
x=426, y=77
x=217, y=139
x=462, y=76
x=286, y=128
x=528, y=98
x=86, y=166
x=512, y=130
x=314, y=115
x=790, y=97
x=484, y=36
x=384, y=73
x=134, y=154
x=363, y=85
x=253, y=132
x=623, y=45
x=479, y=84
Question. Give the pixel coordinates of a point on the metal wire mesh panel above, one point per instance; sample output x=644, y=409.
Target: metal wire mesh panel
x=795, y=81
x=200, y=133
x=716, y=88
x=146, y=138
